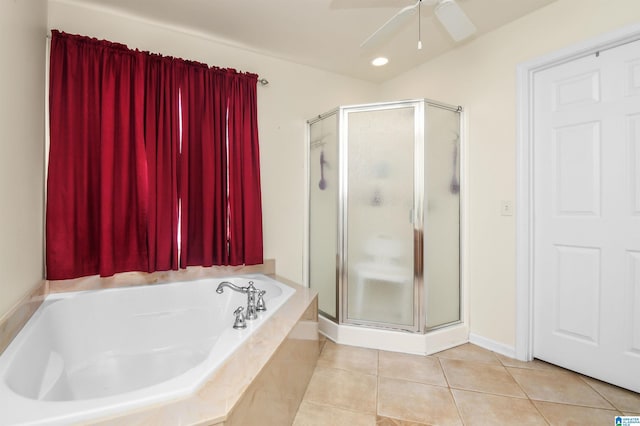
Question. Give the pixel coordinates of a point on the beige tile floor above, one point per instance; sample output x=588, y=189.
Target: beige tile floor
x=466, y=385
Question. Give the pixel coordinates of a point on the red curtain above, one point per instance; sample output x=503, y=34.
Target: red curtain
x=97, y=177
x=220, y=187
x=245, y=205
x=203, y=189
x=121, y=172
x=162, y=136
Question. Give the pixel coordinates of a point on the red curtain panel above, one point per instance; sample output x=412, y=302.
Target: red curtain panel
x=162, y=137
x=97, y=177
x=245, y=203
x=203, y=188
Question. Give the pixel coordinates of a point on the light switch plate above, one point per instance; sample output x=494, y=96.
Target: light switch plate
x=506, y=208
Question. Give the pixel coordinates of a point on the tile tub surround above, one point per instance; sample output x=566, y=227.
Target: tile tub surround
x=274, y=396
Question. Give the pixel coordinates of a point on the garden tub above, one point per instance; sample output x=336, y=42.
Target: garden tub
x=91, y=354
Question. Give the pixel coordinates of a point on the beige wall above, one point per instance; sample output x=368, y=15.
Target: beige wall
x=481, y=76
x=22, y=99
x=295, y=94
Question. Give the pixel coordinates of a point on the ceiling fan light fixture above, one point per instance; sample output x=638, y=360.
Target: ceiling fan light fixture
x=379, y=61
x=453, y=18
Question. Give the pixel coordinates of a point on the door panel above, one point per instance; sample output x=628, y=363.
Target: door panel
x=577, y=169
x=633, y=301
x=633, y=124
x=587, y=215
x=633, y=78
x=577, y=90
x=578, y=271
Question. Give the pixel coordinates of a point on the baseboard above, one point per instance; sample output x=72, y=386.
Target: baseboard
x=492, y=345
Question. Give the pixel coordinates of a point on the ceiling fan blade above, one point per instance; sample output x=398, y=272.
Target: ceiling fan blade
x=383, y=33
x=454, y=20
x=360, y=4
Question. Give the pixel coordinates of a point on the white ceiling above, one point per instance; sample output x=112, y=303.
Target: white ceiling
x=324, y=34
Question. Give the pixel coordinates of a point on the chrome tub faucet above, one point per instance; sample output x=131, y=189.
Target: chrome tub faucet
x=253, y=306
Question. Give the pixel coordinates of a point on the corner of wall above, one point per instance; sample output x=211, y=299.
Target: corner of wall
x=492, y=345
x=23, y=29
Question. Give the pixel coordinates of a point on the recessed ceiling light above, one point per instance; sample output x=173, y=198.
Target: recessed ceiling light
x=378, y=62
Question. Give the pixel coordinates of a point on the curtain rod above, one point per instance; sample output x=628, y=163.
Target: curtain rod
x=263, y=81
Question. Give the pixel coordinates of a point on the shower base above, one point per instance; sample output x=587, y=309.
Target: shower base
x=395, y=340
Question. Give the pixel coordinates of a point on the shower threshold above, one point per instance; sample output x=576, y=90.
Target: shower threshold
x=395, y=340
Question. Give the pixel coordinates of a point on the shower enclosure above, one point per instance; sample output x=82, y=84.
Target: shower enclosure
x=384, y=215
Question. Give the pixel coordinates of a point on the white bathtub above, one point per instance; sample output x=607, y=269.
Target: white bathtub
x=86, y=355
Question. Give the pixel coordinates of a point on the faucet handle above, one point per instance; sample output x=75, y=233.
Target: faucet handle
x=240, y=321
x=260, y=305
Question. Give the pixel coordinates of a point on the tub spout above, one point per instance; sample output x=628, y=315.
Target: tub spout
x=224, y=284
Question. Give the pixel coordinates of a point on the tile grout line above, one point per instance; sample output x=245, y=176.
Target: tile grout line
x=567, y=404
x=444, y=374
x=506, y=368
x=618, y=409
x=446, y=379
x=615, y=408
x=500, y=364
x=332, y=406
x=324, y=404
x=531, y=401
x=455, y=403
x=418, y=382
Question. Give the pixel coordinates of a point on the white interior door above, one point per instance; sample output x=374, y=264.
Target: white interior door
x=587, y=215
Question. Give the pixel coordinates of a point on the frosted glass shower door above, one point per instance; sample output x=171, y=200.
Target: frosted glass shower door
x=442, y=217
x=323, y=211
x=381, y=216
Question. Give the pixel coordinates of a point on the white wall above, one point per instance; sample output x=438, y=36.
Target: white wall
x=22, y=100
x=481, y=76
x=295, y=94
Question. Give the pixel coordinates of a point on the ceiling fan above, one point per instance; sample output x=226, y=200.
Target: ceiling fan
x=448, y=12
